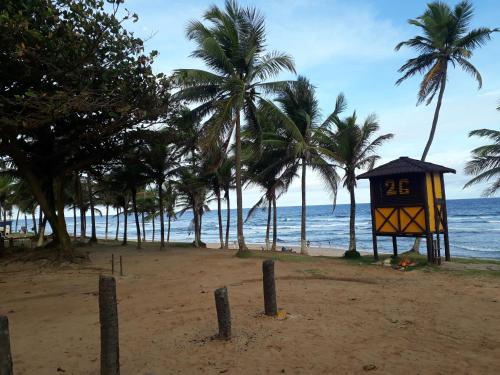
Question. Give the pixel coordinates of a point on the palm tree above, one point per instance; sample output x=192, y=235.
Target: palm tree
x=225, y=175
x=170, y=203
x=233, y=47
x=194, y=195
x=446, y=38
x=161, y=156
x=298, y=115
x=485, y=163
x=269, y=170
x=351, y=146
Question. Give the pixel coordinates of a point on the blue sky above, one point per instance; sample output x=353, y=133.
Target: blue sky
x=348, y=46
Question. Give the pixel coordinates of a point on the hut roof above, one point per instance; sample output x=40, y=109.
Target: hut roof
x=405, y=165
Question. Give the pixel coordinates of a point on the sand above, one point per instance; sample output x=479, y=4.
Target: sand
x=341, y=318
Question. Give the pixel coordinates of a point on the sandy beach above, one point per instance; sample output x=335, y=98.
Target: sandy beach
x=341, y=317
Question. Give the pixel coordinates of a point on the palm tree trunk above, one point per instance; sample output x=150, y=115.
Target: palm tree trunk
x=219, y=215
x=93, y=236
x=153, y=236
x=106, y=225
x=34, y=221
x=239, y=193
x=196, y=224
x=352, y=221
x=228, y=218
x=269, y=203
x=143, y=227
x=125, y=224
x=117, y=222
x=275, y=225
x=25, y=222
x=162, y=221
x=17, y=219
x=136, y=215
x=303, y=248
x=416, y=243
x=168, y=229
x=74, y=220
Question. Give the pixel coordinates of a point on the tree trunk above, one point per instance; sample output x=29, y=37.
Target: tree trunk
x=93, y=237
x=219, y=215
x=41, y=236
x=168, y=229
x=117, y=222
x=228, y=218
x=125, y=224
x=196, y=225
x=74, y=220
x=153, y=222
x=59, y=226
x=40, y=219
x=162, y=221
x=83, y=224
x=352, y=221
x=34, y=221
x=275, y=225
x=106, y=224
x=416, y=243
x=136, y=215
x=143, y=227
x=269, y=204
x=239, y=193
x=17, y=219
x=303, y=248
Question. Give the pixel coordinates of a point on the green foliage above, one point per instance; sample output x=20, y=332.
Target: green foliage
x=73, y=82
x=485, y=163
x=446, y=37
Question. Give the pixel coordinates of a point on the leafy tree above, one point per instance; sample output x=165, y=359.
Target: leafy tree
x=298, y=115
x=352, y=147
x=446, y=38
x=485, y=163
x=73, y=81
x=232, y=45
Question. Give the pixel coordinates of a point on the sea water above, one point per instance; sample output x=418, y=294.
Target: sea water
x=474, y=227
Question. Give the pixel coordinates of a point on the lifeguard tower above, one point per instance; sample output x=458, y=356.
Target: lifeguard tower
x=408, y=200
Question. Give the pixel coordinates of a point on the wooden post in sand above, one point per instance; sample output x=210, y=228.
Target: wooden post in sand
x=121, y=266
x=5, y=356
x=108, y=317
x=269, y=284
x=223, y=313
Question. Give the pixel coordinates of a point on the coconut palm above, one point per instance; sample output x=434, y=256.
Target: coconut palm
x=446, y=38
x=193, y=194
x=352, y=146
x=225, y=176
x=485, y=163
x=170, y=203
x=161, y=159
x=298, y=116
x=232, y=45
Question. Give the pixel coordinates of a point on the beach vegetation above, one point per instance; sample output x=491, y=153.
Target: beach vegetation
x=231, y=43
x=485, y=163
x=352, y=147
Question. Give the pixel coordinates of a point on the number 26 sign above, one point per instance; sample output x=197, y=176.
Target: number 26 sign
x=393, y=187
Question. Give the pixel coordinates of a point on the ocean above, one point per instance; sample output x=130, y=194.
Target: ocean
x=474, y=228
